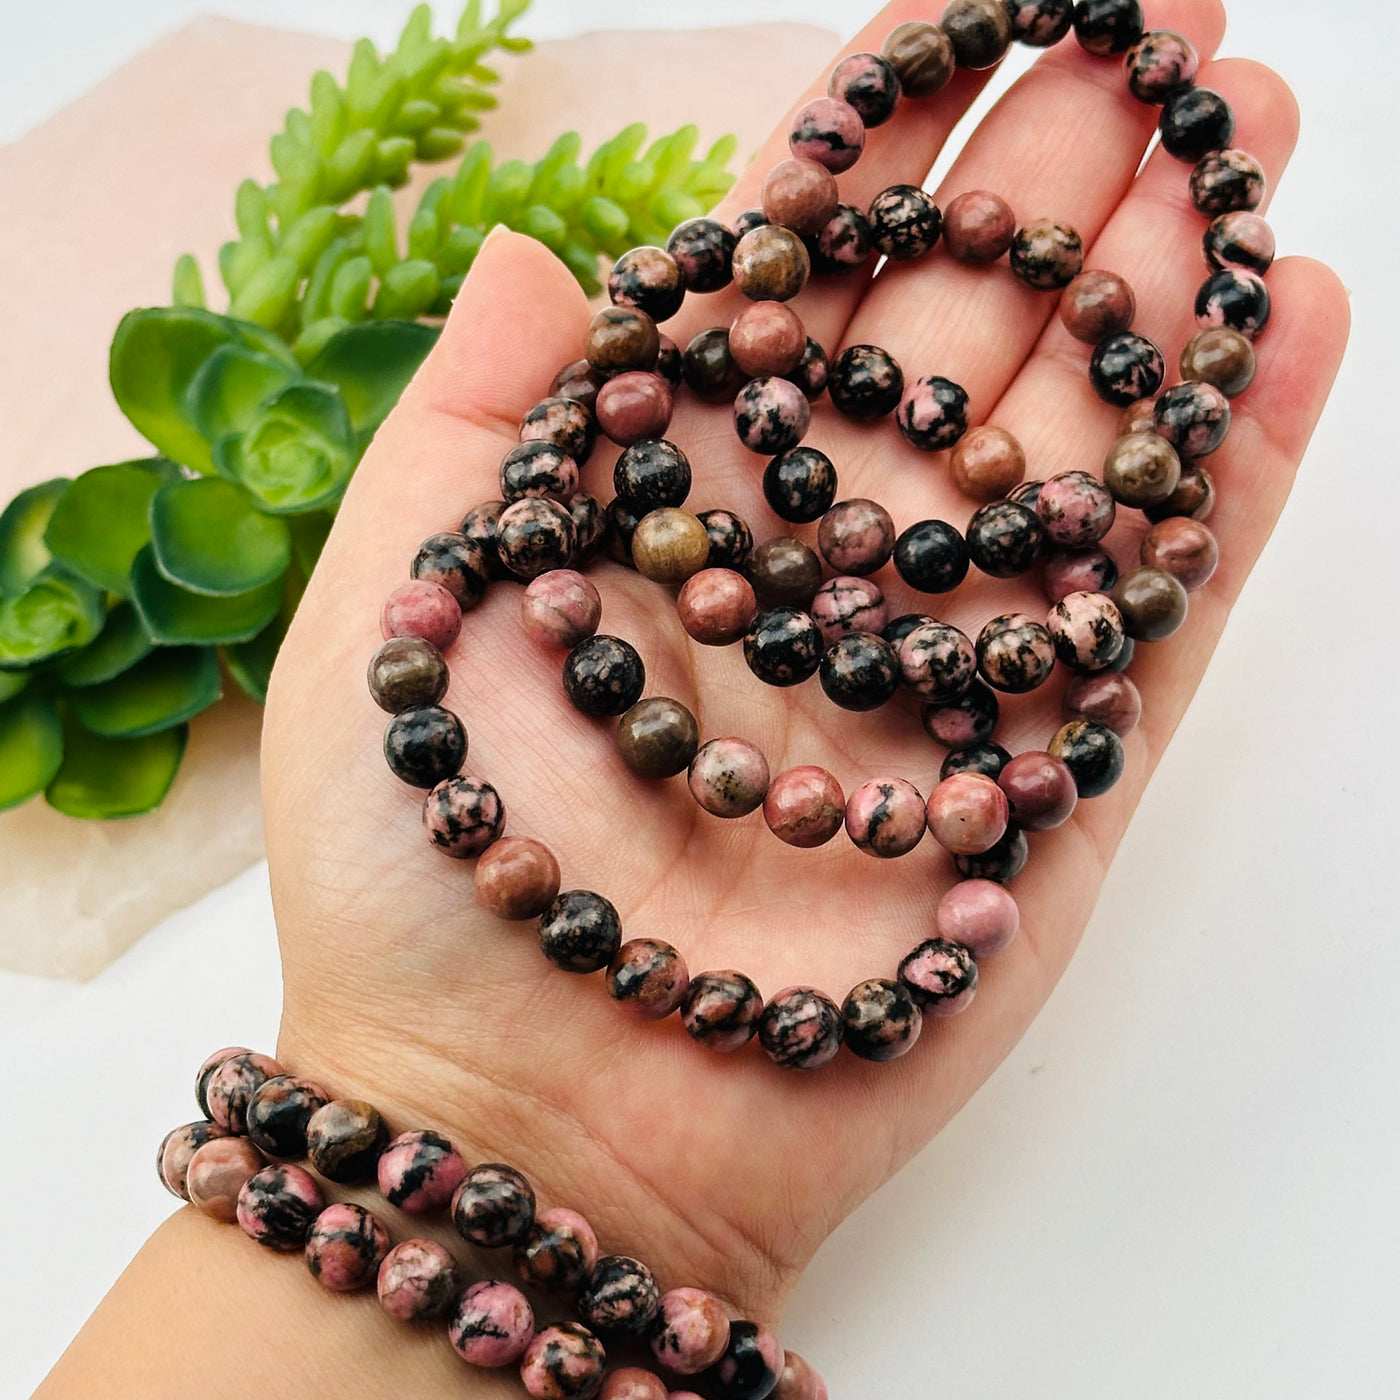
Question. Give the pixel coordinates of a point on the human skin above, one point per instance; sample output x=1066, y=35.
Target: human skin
x=721, y=1172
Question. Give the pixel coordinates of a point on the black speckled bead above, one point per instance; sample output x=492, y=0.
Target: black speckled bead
x=1161, y=64
x=866, y=382
x=650, y=475
x=859, y=672
x=880, y=1020
x=783, y=647
x=603, y=676
x=1002, y=862
x=578, y=380
x=1125, y=368
x=535, y=535
x=1240, y=239
x=278, y=1206
x=933, y=414
x=1087, y=629
x=704, y=252
x=868, y=83
x=538, y=469
x=1193, y=417
x=424, y=746
x=731, y=540
x=457, y=563
x=621, y=1295
x=278, y=1113
x=749, y=220
x=1039, y=24
x=709, y=369
x=987, y=759
x=898, y=628
x=650, y=279
x=1226, y=181
x=1105, y=27
x=812, y=372
x=1195, y=122
x=494, y=1207
x=1047, y=255
x=479, y=524
x=580, y=932
x=940, y=976
x=407, y=673
x=1092, y=752
x=931, y=556
x=1004, y=538
x=800, y=486
x=771, y=415
x=1027, y=493
x=970, y=719
x=904, y=222
x=1235, y=299
x=1015, y=653
x=844, y=244
x=980, y=31
x=565, y=422
x=937, y=662
x=721, y=1010
x=590, y=526
x=621, y=521
x=345, y=1138
x=800, y=1029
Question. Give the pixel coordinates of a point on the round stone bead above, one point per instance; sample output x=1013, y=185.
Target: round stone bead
x=800, y=485
x=230, y=1087
x=1194, y=496
x=931, y=556
x=691, y=1331
x=1047, y=255
x=1219, y=356
x=721, y=1010
x=649, y=279
x=648, y=978
x=784, y=572
x=1161, y=64
x=206, y=1072
x=419, y=1171
x=494, y=1205
x=1241, y=240
x=885, y=817
x=422, y=608
x=418, y=1281
x=1235, y=299
x=278, y=1205
x=1225, y=181
x=747, y=221
x=1000, y=863
x=177, y=1147
x=621, y=523
x=844, y=605
x=866, y=383
x=578, y=380
x=767, y=338
x=709, y=369
x=559, y=1253
x=346, y=1248
x=516, y=878
x=424, y=747
x=980, y=31
x=463, y=816
x=749, y=1367
x=812, y=372
x=1015, y=653
x=728, y=777
x=580, y=932
x=1125, y=368
x=278, y=1113
x=658, y=737
x=859, y=672
x=897, y=629
x=1087, y=631
x=771, y=415
x=904, y=222
x=829, y=132
x=1195, y=122
x=620, y=1296
x=967, y=813
x=933, y=414
x=969, y=719
x=771, y=264
x=978, y=226
x=534, y=536
x=458, y=563
x=988, y=759
x=800, y=195
x=1184, y=548
x=480, y=524
x=1026, y=494
x=1039, y=790
x=491, y=1325
x=1040, y=24
x=635, y=406
x=940, y=977
x=216, y=1173
x=1152, y=602
x=879, y=1020
x=716, y=607
x=528, y=469
x=1076, y=510
x=621, y=338
x=783, y=647
x=800, y=1029
x=731, y=541
x=560, y=608
x=344, y=1139
x=563, y=1362
x=868, y=84
x=704, y=252
x=1108, y=698
x=978, y=915
x=1078, y=571
x=804, y=807
x=987, y=463
x=669, y=545
x=921, y=54
x=1004, y=538
x=843, y=243
x=407, y=673
x=1137, y=418
x=632, y=1383
x=937, y=662
x=668, y=363
x=603, y=676
x=1097, y=305
x=1141, y=470
x=856, y=537
x=565, y=423
x=1107, y=26
x=1092, y=752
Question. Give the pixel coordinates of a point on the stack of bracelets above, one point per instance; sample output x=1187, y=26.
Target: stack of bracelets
x=793, y=626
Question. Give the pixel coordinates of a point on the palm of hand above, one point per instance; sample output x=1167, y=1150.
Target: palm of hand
x=726, y=1171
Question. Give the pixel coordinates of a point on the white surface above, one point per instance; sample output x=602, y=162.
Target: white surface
x=1182, y=1184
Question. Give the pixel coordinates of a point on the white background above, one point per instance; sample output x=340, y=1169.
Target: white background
x=1184, y=1182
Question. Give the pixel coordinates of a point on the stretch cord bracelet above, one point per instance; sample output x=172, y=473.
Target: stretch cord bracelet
x=239, y=1163
x=625, y=386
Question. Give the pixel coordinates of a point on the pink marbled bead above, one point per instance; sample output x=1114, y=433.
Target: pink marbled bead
x=716, y=606
x=634, y=407
x=632, y=1383
x=691, y=1331
x=206, y=1073
x=804, y=807
x=1108, y=698
x=767, y=337
x=798, y=1380
x=649, y=978
x=845, y=605
x=418, y=1280
x=967, y=813
x=217, y=1172
x=728, y=777
x=177, y=1147
x=979, y=914
x=233, y=1083
x=563, y=1362
x=421, y=608
x=885, y=817
x=419, y=1171
x=560, y=1252
x=828, y=131
x=492, y=1324
x=560, y=608
x=1078, y=571
x=345, y=1248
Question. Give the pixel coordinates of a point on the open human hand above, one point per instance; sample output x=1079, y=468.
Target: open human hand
x=726, y=1172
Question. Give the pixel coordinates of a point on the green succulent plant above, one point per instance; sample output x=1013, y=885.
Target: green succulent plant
x=129, y=592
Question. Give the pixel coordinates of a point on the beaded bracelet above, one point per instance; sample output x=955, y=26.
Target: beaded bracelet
x=238, y=1162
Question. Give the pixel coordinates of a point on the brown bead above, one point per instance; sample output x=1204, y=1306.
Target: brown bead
x=634, y=406
x=621, y=337
x=1222, y=357
x=980, y=31
x=785, y=572
x=657, y=737
x=216, y=1174
x=987, y=462
x=1107, y=698
x=577, y=380
x=1185, y=548
x=1141, y=470
x=771, y=264
x=922, y=55
x=716, y=606
x=1096, y=305
x=344, y=1139
x=669, y=545
x=1139, y=417
x=1152, y=602
x=767, y=338
x=407, y=673
x=517, y=877
x=709, y=369
x=800, y=195
x=978, y=226
x=1194, y=496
